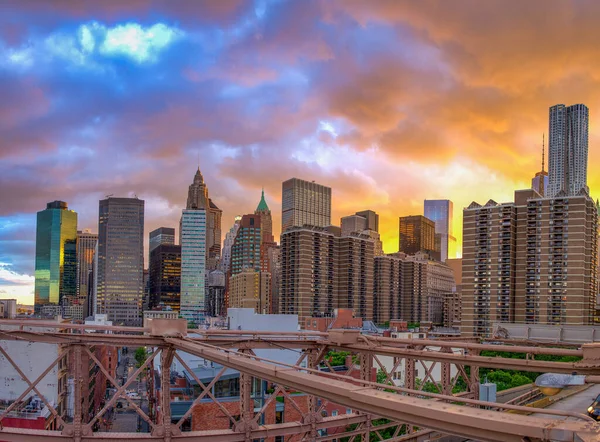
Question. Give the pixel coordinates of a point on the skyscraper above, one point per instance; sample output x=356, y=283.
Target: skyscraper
x=266, y=220
x=417, y=234
x=441, y=212
x=162, y=235
x=120, y=279
x=305, y=202
x=225, y=262
x=193, y=265
x=55, y=254
x=250, y=289
x=353, y=223
x=245, y=252
x=164, y=275
x=567, y=149
x=198, y=199
x=371, y=218
x=86, y=246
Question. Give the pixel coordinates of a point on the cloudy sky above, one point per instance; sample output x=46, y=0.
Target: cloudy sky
x=388, y=102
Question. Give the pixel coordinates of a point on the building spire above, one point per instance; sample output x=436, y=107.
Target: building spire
x=543, y=150
x=262, y=205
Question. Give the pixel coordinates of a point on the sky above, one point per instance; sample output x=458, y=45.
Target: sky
x=388, y=102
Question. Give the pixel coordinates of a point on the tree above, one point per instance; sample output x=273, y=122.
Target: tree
x=140, y=356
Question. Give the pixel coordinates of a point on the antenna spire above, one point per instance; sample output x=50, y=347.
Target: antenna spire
x=543, y=149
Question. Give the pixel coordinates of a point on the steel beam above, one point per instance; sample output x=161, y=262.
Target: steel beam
x=482, y=425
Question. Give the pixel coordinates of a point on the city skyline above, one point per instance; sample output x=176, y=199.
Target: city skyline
x=404, y=149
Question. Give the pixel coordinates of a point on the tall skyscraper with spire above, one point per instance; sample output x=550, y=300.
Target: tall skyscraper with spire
x=266, y=221
x=567, y=149
x=539, y=182
x=198, y=199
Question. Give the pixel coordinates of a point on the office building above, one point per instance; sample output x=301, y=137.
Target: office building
x=86, y=246
x=441, y=213
x=198, y=199
x=305, y=202
x=120, y=277
x=372, y=219
x=266, y=220
x=353, y=223
x=417, y=234
x=322, y=271
x=164, y=274
x=225, y=262
x=530, y=261
x=193, y=265
x=245, y=252
x=250, y=289
x=162, y=235
x=567, y=150
x=274, y=257
x=55, y=255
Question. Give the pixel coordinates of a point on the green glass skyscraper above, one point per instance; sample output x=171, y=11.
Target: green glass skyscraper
x=55, y=254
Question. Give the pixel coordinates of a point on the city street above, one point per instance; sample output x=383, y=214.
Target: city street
x=126, y=419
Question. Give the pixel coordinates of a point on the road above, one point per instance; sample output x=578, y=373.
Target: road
x=577, y=403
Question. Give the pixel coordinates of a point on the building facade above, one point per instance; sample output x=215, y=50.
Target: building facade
x=371, y=218
x=305, y=202
x=250, y=289
x=215, y=303
x=120, y=276
x=164, y=275
x=567, y=149
x=246, y=249
x=86, y=247
x=55, y=255
x=162, y=235
x=193, y=265
x=353, y=223
x=322, y=271
x=225, y=262
x=441, y=213
x=417, y=234
x=198, y=199
x=532, y=261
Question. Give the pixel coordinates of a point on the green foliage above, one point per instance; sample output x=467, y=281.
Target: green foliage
x=413, y=325
x=140, y=356
x=337, y=358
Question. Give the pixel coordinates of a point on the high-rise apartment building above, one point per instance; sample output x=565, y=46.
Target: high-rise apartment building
x=250, y=289
x=245, y=252
x=274, y=257
x=193, y=265
x=164, y=275
x=441, y=213
x=321, y=271
x=532, y=261
x=308, y=268
x=305, y=202
x=417, y=234
x=365, y=222
x=198, y=199
x=55, y=255
x=162, y=235
x=411, y=288
x=567, y=149
x=120, y=277
x=354, y=256
x=86, y=246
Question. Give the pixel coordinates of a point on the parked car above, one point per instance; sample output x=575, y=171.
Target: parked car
x=594, y=409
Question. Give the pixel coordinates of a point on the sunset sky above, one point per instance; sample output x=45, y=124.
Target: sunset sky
x=387, y=102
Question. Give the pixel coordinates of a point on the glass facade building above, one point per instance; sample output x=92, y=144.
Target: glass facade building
x=440, y=212
x=120, y=278
x=193, y=265
x=165, y=276
x=162, y=235
x=55, y=254
x=417, y=234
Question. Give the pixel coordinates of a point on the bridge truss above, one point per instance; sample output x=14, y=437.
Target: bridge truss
x=412, y=413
